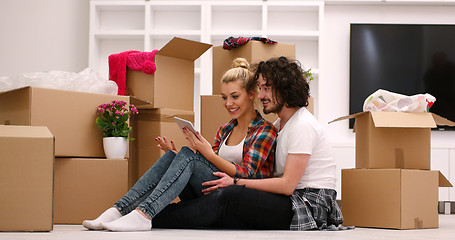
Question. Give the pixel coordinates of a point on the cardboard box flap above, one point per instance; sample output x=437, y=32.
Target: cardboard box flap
x=443, y=181
x=138, y=102
x=402, y=120
x=441, y=121
x=184, y=49
x=25, y=132
x=348, y=117
x=164, y=114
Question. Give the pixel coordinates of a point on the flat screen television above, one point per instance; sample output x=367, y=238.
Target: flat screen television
x=403, y=58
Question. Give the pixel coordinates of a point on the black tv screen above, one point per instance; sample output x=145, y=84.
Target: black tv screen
x=403, y=58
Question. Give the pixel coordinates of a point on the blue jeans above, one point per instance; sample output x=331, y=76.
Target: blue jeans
x=165, y=180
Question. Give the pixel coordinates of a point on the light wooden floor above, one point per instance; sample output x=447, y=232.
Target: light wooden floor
x=445, y=231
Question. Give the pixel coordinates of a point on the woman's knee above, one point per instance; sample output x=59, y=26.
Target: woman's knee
x=228, y=194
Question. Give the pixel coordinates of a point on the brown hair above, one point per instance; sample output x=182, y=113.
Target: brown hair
x=287, y=80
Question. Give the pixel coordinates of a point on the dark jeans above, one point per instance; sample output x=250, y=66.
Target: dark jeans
x=233, y=207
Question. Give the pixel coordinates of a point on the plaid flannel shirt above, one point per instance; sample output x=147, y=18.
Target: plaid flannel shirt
x=233, y=42
x=316, y=209
x=258, y=148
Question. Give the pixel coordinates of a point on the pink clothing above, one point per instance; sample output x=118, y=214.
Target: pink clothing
x=135, y=60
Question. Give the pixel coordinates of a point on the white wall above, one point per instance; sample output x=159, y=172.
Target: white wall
x=43, y=35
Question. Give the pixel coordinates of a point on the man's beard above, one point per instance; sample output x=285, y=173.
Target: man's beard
x=273, y=109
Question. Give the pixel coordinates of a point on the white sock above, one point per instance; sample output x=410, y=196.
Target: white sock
x=107, y=216
x=133, y=221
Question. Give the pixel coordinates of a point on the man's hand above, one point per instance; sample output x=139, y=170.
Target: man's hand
x=224, y=181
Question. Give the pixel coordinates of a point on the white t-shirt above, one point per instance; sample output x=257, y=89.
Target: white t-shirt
x=303, y=134
x=232, y=153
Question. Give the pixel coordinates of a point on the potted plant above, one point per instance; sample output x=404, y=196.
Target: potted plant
x=112, y=118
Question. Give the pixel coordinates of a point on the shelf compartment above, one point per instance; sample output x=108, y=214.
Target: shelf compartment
x=236, y=18
x=120, y=17
x=306, y=51
x=174, y=18
x=290, y=18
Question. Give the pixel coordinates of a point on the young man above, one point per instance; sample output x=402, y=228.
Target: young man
x=301, y=196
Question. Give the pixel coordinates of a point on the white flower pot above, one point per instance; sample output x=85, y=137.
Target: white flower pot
x=115, y=147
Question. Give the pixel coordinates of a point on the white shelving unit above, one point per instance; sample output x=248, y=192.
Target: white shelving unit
x=117, y=26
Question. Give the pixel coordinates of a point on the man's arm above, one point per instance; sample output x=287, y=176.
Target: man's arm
x=293, y=170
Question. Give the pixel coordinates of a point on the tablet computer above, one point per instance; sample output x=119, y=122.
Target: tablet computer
x=185, y=124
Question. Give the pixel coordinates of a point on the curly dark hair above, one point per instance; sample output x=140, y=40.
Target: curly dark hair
x=286, y=77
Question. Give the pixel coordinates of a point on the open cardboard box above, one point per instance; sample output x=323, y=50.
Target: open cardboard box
x=172, y=85
x=69, y=115
x=391, y=198
x=394, y=139
x=26, y=178
x=253, y=52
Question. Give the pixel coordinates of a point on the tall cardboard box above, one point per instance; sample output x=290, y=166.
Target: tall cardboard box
x=391, y=198
x=214, y=114
x=149, y=124
x=85, y=187
x=172, y=85
x=26, y=178
x=253, y=52
x=69, y=115
x=393, y=139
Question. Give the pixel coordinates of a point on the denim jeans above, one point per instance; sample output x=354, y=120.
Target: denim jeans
x=165, y=180
x=232, y=207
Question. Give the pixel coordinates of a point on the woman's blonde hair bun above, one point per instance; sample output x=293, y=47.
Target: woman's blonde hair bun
x=240, y=62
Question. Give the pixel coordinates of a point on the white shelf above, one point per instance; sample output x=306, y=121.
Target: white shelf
x=175, y=33
x=114, y=34
x=117, y=26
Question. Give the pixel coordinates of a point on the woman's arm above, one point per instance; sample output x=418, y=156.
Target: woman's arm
x=293, y=170
x=260, y=147
x=201, y=144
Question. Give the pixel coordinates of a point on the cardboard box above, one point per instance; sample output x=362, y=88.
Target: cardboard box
x=391, y=198
x=69, y=115
x=253, y=52
x=149, y=124
x=214, y=114
x=26, y=178
x=393, y=139
x=172, y=85
x=85, y=187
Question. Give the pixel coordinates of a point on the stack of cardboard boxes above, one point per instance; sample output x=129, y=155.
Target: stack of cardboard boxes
x=82, y=174
x=169, y=92
x=213, y=114
x=392, y=185
x=58, y=173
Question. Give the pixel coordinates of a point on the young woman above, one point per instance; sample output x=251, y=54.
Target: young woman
x=244, y=148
